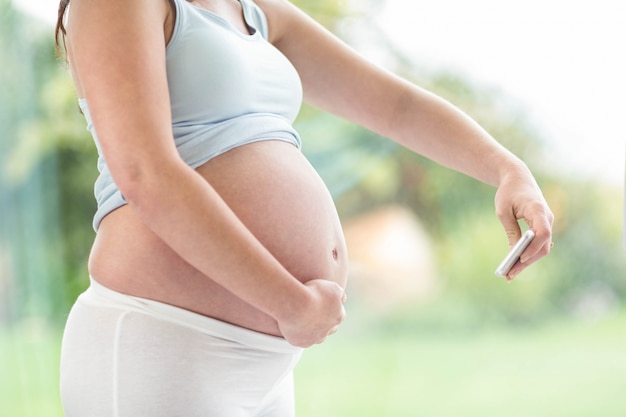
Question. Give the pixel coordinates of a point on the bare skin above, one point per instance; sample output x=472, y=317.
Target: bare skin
x=252, y=236
x=276, y=194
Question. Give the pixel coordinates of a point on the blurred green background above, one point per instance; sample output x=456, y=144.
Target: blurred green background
x=441, y=336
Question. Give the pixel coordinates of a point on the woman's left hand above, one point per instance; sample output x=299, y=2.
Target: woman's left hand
x=519, y=197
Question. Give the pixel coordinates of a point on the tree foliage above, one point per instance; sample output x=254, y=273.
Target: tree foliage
x=46, y=182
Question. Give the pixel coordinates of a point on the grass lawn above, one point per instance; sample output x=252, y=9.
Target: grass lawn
x=565, y=369
x=29, y=362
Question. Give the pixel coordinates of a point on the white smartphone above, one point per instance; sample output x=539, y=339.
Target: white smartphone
x=514, y=254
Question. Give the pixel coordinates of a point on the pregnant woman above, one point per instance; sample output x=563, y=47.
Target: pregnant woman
x=219, y=254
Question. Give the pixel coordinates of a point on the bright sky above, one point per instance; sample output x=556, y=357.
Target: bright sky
x=564, y=59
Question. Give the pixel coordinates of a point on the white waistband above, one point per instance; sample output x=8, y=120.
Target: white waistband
x=98, y=294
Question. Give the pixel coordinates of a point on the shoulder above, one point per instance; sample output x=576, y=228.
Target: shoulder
x=92, y=24
x=121, y=13
x=280, y=15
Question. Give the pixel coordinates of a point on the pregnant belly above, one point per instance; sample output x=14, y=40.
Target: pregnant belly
x=275, y=192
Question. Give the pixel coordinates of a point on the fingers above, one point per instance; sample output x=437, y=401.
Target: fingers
x=511, y=226
x=541, y=246
x=341, y=317
x=541, y=223
x=331, y=332
x=513, y=205
x=520, y=266
x=333, y=329
x=318, y=319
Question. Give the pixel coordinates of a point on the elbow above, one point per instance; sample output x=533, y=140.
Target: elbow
x=133, y=184
x=139, y=182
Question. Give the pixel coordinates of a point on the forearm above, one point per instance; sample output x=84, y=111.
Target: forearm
x=434, y=128
x=353, y=88
x=190, y=217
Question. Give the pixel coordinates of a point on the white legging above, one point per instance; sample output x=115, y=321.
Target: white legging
x=125, y=356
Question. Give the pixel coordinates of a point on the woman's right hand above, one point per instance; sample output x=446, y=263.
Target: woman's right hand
x=318, y=318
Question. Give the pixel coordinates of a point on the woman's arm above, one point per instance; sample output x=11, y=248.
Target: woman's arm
x=338, y=80
x=117, y=53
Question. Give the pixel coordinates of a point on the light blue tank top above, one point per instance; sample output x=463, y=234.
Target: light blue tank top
x=227, y=89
